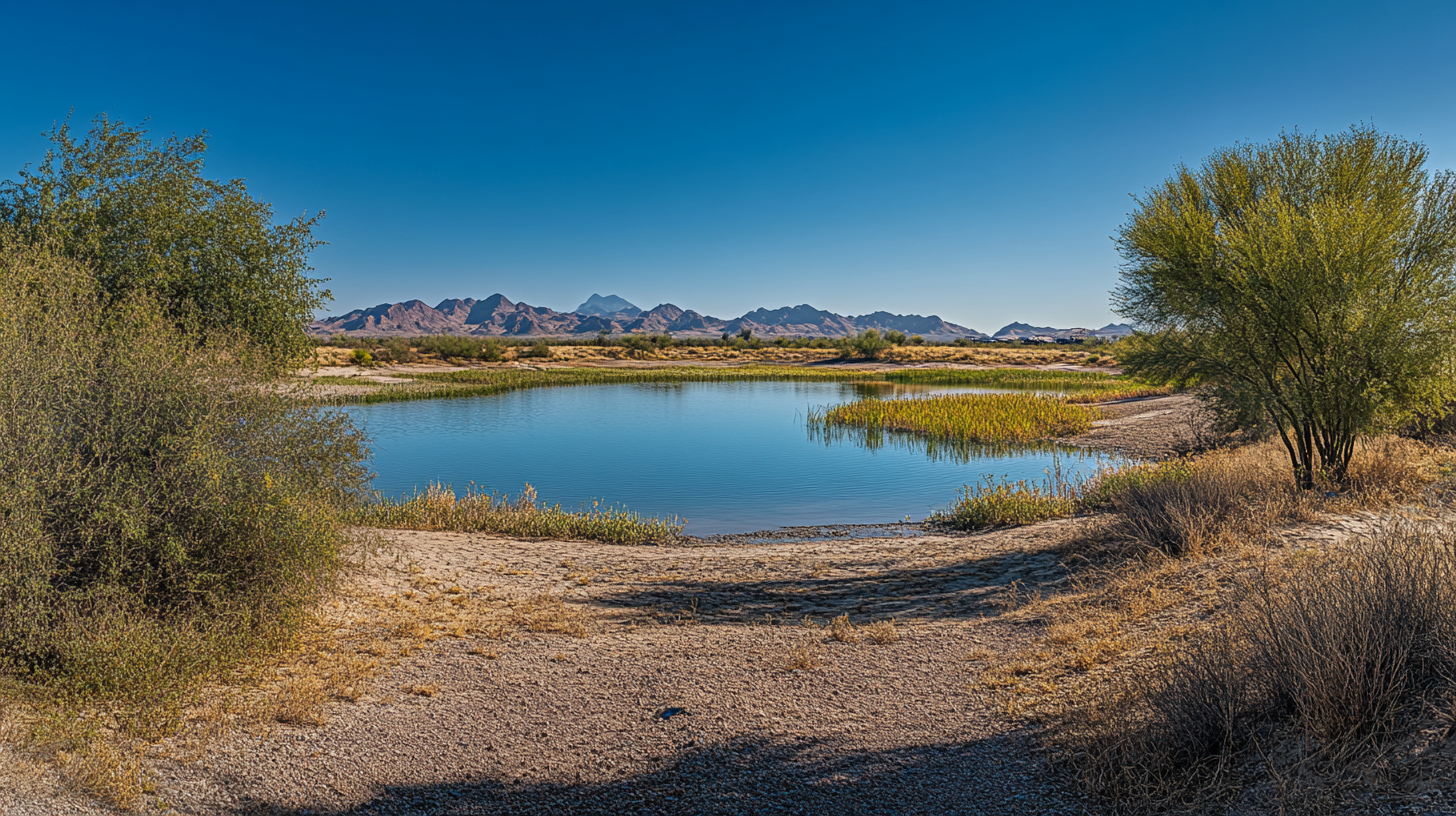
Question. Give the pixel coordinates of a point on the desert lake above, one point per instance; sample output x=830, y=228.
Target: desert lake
x=725, y=457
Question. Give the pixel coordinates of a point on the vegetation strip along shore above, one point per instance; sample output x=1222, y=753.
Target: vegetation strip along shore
x=438, y=508
x=1082, y=386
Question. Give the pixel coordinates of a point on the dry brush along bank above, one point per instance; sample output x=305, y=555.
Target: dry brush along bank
x=844, y=643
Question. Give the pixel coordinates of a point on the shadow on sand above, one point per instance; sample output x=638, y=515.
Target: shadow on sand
x=995, y=776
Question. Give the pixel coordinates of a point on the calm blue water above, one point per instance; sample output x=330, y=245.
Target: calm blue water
x=726, y=457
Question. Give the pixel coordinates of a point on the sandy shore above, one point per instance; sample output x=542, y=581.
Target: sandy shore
x=778, y=716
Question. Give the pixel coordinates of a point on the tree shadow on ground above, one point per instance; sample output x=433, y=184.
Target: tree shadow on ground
x=753, y=776
x=968, y=588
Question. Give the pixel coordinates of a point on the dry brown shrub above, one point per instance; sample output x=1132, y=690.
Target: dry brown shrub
x=842, y=630
x=881, y=633
x=301, y=702
x=1388, y=469
x=111, y=773
x=804, y=657
x=1202, y=505
x=1319, y=664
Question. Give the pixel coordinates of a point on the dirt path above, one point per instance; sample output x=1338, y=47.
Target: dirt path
x=781, y=718
x=1151, y=428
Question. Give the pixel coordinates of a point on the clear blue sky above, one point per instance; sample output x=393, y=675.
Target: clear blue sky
x=963, y=159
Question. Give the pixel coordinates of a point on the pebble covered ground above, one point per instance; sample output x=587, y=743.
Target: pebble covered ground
x=776, y=716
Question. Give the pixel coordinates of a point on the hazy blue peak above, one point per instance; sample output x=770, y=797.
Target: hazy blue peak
x=611, y=304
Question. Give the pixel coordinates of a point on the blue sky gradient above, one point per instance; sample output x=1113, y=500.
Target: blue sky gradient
x=969, y=160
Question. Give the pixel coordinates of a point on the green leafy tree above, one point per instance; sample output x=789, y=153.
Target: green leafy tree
x=1307, y=282
x=869, y=345
x=146, y=221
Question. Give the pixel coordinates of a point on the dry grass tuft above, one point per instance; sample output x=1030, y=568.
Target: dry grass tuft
x=113, y=774
x=840, y=629
x=881, y=633
x=548, y=614
x=1198, y=506
x=804, y=657
x=1388, y=470
x=301, y=703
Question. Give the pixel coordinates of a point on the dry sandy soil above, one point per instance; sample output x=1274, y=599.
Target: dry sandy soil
x=1151, y=428
x=778, y=715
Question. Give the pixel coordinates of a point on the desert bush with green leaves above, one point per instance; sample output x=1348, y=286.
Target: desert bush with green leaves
x=451, y=346
x=439, y=508
x=164, y=512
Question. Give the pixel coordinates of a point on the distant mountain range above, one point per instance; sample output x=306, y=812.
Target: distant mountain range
x=497, y=316
x=609, y=305
x=1023, y=331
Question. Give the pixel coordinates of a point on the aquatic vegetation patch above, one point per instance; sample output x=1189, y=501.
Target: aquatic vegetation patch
x=1009, y=504
x=438, y=508
x=965, y=417
x=1079, y=386
x=1076, y=386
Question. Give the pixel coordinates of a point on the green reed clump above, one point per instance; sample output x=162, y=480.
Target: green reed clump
x=966, y=417
x=438, y=508
x=1076, y=386
x=1008, y=504
x=1102, y=492
x=164, y=512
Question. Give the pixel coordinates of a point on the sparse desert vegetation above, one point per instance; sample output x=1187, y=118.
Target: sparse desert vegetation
x=439, y=508
x=205, y=607
x=646, y=350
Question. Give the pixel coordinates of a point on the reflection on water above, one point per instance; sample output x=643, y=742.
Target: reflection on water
x=728, y=457
x=895, y=390
x=957, y=451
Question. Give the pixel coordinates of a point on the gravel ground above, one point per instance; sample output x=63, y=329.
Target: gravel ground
x=558, y=724
x=1150, y=428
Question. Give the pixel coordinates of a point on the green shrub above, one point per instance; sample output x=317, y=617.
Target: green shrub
x=869, y=345
x=895, y=338
x=542, y=349
x=637, y=345
x=163, y=512
x=362, y=357
x=397, y=350
x=462, y=348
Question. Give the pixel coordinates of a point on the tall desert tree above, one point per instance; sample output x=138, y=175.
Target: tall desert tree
x=144, y=218
x=1309, y=282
